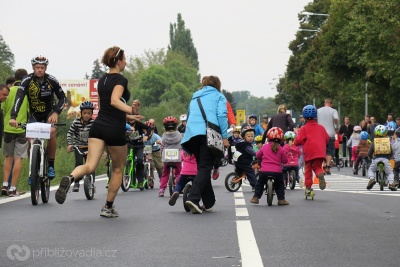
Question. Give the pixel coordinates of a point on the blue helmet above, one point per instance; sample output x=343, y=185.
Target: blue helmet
x=364, y=135
x=391, y=126
x=253, y=116
x=309, y=111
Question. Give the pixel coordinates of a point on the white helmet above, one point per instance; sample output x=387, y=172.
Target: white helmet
x=183, y=117
x=357, y=128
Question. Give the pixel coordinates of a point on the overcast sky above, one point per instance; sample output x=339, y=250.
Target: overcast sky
x=245, y=43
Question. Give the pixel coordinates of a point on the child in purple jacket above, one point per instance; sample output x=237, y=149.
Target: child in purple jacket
x=272, y=156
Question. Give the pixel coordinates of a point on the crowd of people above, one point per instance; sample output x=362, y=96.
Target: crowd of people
x=275, y=144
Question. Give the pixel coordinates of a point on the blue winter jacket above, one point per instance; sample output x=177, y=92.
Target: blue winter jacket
x=214, y=105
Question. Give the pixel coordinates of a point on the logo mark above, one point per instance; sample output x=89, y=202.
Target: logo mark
x=20, y=253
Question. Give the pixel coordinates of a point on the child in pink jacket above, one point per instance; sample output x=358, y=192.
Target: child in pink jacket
x=189, y=169
x=272, y=157
x=293, y=153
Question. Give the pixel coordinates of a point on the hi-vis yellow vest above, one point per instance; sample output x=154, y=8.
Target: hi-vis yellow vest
x=381, y=146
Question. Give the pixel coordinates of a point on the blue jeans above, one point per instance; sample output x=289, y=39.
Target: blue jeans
x=183, y=180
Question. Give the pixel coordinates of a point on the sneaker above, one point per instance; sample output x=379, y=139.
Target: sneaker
x=109, y=212
x=328, y=171
x=140, y=186
x=393, y=187
x=210, y=208
x=282, y=202
x=76, y=187
x=161, y=193
x=322, y=184
x=61, y=193
x=13, y=193
x=173, y=199
x=215, y=174
x=371, y=183
x=4, y=190
x=193, y=207
x=255, y=200
x=51, y=173
x=301, y=182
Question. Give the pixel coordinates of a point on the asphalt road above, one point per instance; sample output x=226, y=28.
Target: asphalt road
x=345, y=225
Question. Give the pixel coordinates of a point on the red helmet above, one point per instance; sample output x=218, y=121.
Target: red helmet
x=149, y=124
x=170, y=123
x=275, y=133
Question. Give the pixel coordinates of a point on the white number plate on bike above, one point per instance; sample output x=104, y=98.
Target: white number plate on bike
x=171, y=155
x=38, y=130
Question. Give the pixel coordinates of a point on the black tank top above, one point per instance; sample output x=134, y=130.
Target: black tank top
x=110, y=116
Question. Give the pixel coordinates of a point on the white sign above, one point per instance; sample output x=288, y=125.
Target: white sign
x=38, y=130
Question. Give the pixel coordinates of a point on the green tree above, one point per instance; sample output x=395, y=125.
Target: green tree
x=6, y=61
x=180, y=40
x=97, y=70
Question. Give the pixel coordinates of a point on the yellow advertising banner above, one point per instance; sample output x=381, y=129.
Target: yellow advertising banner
x=240, y=116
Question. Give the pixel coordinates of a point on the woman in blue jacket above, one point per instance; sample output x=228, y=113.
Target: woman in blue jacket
x=195, y=140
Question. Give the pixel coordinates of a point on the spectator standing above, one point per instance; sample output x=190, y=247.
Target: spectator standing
x=329, y=118
x=15, y=141
x=4, y=92
x=281, y=120
x=346, y=130
x=371, y=128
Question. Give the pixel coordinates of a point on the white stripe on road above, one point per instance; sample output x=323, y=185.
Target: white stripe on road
x=248, y=245
x=26, y=195
x=249, y=251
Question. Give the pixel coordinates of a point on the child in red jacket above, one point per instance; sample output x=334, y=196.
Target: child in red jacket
x=314, y=139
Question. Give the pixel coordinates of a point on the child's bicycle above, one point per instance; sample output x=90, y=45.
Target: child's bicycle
x=364, y=166
x=290, y=177
x=225, y=159
x=186, y=191
x=38, y=133
x=171, y=178
x=147, y=166
x=381, y=177
x=270, y=189
x=88, y=179
x=233, y=181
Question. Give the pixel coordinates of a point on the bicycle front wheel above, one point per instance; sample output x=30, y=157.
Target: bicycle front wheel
x=35, y=178
x=364, y=168
x=292, y=179
x=381, y=181
x=270, y=191
x=88, y=186
x=232, y=182
x=126, y=178
x=186, y=192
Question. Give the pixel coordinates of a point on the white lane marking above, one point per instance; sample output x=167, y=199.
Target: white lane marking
x=249, y=252
x=240, y=202
x=241, y=212
x=26, y=195
x=248, y=245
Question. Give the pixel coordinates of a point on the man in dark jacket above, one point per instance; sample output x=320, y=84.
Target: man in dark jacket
x=346, y=131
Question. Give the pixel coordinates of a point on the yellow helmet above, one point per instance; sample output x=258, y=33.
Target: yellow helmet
x=258, y=139
x=237, y=129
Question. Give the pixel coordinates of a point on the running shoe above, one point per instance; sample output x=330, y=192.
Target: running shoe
x=13, y=193
x=173, y=199
x=61, y=193
x=193, y=207
x=393, y=187
x=371, y=183
x=161, y=193
x=4, y=190
x=76, y=187
x=322, y=184
x=109, y=212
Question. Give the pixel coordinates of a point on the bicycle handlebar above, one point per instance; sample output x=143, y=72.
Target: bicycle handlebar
x=78, y=148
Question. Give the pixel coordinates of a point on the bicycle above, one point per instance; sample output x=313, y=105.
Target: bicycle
x=381, y=177
x=270, y=189
x=38, y=133
x=364, y=166
x=147, y=166
x=225, y=160
x=88, y=179
x=186, y=191
x=171, y=178
x=233, y=181
x=291, y=177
